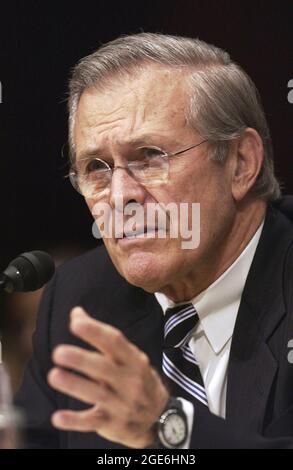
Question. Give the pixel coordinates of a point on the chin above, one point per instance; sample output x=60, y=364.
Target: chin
x=145, y=270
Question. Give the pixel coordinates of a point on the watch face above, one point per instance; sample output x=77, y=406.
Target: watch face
x=175, y=430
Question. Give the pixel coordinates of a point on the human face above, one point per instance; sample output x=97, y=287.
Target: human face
x=149, y=108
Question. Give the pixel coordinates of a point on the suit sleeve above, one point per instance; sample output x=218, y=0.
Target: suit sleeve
x=35, y=398
x=212, y=432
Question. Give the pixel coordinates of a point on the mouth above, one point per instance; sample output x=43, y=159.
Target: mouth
x=141, y=234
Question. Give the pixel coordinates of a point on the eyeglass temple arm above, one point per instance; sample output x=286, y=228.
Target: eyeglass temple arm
x=174, y=154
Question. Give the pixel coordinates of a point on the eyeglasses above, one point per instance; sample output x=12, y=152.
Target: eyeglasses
x=150, y=167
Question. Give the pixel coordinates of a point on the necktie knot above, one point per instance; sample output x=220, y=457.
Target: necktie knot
x=180, y=321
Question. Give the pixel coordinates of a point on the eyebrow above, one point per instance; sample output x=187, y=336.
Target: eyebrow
x=147, y=139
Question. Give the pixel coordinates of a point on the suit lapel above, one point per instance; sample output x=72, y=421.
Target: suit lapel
x=251, y=372
x=147, y=333
x=139, y=316
x=252, y=365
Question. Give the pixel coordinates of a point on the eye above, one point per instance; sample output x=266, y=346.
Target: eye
x=150, y=153
x=96, y=165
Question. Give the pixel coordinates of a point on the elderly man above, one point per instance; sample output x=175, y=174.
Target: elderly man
x=142, y=342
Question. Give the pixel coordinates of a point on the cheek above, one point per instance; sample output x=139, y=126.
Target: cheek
x=216, y=218
x=190, y=184
x=212, y=191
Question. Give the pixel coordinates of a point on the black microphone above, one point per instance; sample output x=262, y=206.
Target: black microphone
x=27, y=272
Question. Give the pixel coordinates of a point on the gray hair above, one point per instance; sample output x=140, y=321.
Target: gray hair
x=223, y=100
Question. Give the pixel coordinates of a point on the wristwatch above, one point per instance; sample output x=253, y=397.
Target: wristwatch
x=172, y=428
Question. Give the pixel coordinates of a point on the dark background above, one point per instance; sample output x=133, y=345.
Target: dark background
x=41, y=41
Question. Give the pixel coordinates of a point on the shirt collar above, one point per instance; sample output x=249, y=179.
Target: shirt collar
x=217, y=306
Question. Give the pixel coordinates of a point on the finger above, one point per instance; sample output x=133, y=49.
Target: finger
x=83, y=421
x=75, y=386
x=104, y=337
x=93, y=364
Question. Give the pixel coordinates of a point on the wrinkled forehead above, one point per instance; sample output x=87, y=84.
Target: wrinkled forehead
x=152, y=100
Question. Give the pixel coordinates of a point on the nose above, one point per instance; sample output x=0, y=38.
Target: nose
x=125, y=189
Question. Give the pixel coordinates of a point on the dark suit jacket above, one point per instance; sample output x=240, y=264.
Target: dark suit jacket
x=260, y=377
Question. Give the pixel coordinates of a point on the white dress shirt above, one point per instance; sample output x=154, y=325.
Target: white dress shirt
x=217, y=308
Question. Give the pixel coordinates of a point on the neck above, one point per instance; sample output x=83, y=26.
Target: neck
x=245, y=224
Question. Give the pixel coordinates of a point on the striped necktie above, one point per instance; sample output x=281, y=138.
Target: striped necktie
x=179, y=364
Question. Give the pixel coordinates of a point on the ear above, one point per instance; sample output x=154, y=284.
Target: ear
x=248, y=160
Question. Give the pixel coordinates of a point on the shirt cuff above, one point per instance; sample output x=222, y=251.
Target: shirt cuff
x=188, y=409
